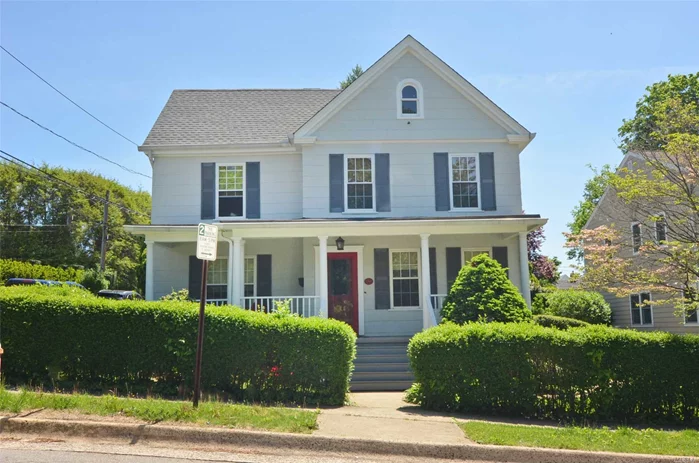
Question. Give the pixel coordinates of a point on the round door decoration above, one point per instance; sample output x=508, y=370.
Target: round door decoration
x=368, y=281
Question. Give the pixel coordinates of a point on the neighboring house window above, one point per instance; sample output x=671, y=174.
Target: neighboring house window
x=464, y=182
x=405, y=279
x=636, y=237
x=410, y=99
x=359, y=180
x=231, y=187
x=469, y=254
x=217, y=280
x=641, y=309
x=661, y=228
x=691, y=317
x=249, y=277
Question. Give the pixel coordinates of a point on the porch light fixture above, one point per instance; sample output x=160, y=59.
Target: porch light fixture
x=340, y=243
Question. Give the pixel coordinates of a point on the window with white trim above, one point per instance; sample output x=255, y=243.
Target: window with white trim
x=464, y=183
x=250, y=277
x=359, y=183
x=641, y=309
x=636, y=237
x=217, y=280
x=660, y=228
x=691, y=316
x=410, y=100
x=468, y=254
x=230, y=193
x=405, y=279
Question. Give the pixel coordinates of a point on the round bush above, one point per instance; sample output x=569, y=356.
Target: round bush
x=482, y=292
x=587, y=306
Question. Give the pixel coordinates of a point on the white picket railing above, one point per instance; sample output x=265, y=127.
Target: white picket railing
x=437, y=302
x=214, y=301
x=305, y=306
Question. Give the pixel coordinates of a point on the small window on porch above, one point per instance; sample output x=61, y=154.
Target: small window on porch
x=217, y=280
x=250, y=277
x=468, y=254
x=405, y=279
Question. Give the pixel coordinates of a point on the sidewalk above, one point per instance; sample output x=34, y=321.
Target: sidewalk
x=384, y=415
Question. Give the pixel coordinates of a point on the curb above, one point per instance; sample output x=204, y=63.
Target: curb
x=163, y=433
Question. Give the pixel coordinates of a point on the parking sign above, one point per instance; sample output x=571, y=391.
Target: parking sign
x=207, y=240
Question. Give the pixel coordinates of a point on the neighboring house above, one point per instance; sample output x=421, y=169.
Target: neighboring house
x=565, y=283
x=637, y=311
x=361, y=204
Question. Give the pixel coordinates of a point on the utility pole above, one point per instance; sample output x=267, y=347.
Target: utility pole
x=103, y=250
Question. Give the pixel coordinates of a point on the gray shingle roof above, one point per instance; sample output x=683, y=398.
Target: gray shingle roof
x=215, y=117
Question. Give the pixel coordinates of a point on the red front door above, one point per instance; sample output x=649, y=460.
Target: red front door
x=343, y=298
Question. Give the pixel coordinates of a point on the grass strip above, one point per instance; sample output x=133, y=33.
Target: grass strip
x=155, y=410
x=622, y=440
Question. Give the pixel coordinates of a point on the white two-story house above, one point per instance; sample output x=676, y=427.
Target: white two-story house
x=361, y=204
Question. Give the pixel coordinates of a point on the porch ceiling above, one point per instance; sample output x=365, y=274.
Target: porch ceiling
x=348, y=227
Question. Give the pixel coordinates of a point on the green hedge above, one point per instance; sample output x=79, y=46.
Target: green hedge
x=99, y=344
x=562, y=323
x=592, y=373
x=587, y=306
x=16, y=269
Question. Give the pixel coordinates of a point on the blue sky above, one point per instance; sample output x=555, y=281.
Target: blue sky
x=568, y=71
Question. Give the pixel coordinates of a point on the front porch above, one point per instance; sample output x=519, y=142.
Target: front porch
x=389, y=279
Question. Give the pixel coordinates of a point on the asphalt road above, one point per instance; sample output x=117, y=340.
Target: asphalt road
x=33, y=450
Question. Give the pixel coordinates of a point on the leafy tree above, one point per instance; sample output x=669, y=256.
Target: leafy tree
x=543, y=269
x=352, y=76
x=641, y=132
x=483, y=292
x=44, y=220
x=664, y=177
x=592, y=193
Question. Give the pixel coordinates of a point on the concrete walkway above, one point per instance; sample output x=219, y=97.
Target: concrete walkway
x=384, y=416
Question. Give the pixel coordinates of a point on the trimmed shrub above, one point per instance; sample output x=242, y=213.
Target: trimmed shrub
x=587, y=306
x=483, y=292
x=540, y=303
x=562, y=323
x=16, y=269
x=590, y=373
x=98, y=344
x=95, y=280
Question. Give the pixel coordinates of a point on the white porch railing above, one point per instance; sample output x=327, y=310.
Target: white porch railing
x=437, y=302
x=304, y=306
x=214, y=301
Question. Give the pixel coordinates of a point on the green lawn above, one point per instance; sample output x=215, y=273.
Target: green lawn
x=624, y=440
x=156, y=410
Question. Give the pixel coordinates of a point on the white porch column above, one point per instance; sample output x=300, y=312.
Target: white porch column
x=234, y=267
x=150, y=262
x=323, y=274
x=524, y=268
x=427, y=313
x=241, y=282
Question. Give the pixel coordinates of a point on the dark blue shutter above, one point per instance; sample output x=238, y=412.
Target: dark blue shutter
x=208, y=190
x=194, y=277
x=500, y=255
x=383, y=182
x=441, y=181
x=252, y=190
x=487, y=174
x=433, y=271
x=337, y=183
x=382, y=282
x=264, y=274
x=453, y=266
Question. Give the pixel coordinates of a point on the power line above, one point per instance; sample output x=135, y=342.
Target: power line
x=28, y=166
x=71, y=142
x=66, y=97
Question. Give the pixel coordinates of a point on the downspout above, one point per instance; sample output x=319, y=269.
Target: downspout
x=229, y=280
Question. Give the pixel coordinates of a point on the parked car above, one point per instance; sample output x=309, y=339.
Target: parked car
x=30, y=281
x=118, y=294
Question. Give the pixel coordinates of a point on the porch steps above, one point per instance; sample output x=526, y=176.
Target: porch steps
x=381, y=365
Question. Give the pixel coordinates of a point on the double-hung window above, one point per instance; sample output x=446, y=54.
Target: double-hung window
x=250, y=280
x=468, y=254
x=636, y=237
x=641, y=309
x=660, y=229
x=464, y=183
x=691, y=315
x=405, y=279
x=217, y=280
x=230, y=193
x=359, y=183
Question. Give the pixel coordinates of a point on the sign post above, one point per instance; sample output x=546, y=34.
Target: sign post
x=207, y=240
